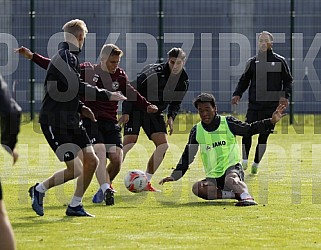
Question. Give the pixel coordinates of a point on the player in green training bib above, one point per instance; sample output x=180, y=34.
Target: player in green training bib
x=215, y=135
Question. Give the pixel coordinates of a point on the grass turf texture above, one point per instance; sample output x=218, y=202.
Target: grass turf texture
x=287, y=189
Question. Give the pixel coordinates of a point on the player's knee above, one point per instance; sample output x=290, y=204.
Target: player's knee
x=166, y=146
x=100, y=149
x=231, y=180
x=195, y=188
x=232, y=176
x=163, y=147
x=91, y=162
x=204, y=191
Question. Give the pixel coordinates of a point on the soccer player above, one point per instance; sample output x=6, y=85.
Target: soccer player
x=105, y=133
x=6, y=233
x=60, y=121
x=10, y=115
x=268, y=78
x=216, y=137
x=165, y=85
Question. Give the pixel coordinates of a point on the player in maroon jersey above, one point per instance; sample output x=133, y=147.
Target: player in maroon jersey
x=105, y=133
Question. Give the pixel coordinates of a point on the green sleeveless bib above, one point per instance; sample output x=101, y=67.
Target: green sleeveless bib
x=219, y=149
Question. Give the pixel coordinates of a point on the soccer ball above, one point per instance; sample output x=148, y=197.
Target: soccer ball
x=135, y=181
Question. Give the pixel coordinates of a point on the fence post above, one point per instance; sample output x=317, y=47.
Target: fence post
x=160, y=31
x=291, y=55
x=32, y=14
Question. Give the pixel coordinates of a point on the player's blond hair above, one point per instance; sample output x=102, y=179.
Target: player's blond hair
x=110, y=50
x=74, y=27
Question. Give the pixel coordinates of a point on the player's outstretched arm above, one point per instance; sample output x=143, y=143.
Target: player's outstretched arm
x=25, y=52
x=278, y=113
x=166, y=179
x=40, y=60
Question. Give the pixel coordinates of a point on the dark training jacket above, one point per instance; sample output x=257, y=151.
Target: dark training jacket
x=61, y=104
x=268, y=78
x=161, y=88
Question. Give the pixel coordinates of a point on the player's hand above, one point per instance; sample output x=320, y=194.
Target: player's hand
x=117, y=96
x=284, y=101
x=152, y=108
x=236, y=99
x=170, y=124
x=278, y=113
x=86, y=112
x=123, y=120
x=166, y=179
x=25, y=52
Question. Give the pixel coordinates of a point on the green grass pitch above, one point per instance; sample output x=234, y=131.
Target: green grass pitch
x=287, y=188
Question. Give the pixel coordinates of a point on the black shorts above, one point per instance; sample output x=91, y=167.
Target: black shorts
x=10, y=128
x=151, y=123
x=105, y=132
x=66, y=143
x=257, y=115
x=220, y=181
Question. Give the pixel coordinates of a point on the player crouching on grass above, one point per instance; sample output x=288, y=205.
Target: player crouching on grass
x=216, y=136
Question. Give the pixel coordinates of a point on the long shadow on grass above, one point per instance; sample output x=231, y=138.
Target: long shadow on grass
x=29, y=218
x=219, y=203
x=122, y=200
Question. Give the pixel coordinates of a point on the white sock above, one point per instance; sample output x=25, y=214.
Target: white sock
x=228, y=195
x=41, y=188
x=76, y=201
x=245, y=195
x=105, y=186
x=244, y=161
x=149, y=176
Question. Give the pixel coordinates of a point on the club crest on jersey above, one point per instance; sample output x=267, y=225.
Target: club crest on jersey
x=115, y=85
x=158, y=68
x=95, y=78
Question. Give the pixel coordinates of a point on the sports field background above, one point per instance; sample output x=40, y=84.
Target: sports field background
x=287, y=189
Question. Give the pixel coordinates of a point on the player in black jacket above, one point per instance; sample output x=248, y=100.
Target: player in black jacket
x=269, y=80
x=165, y=85
x=60, y=120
